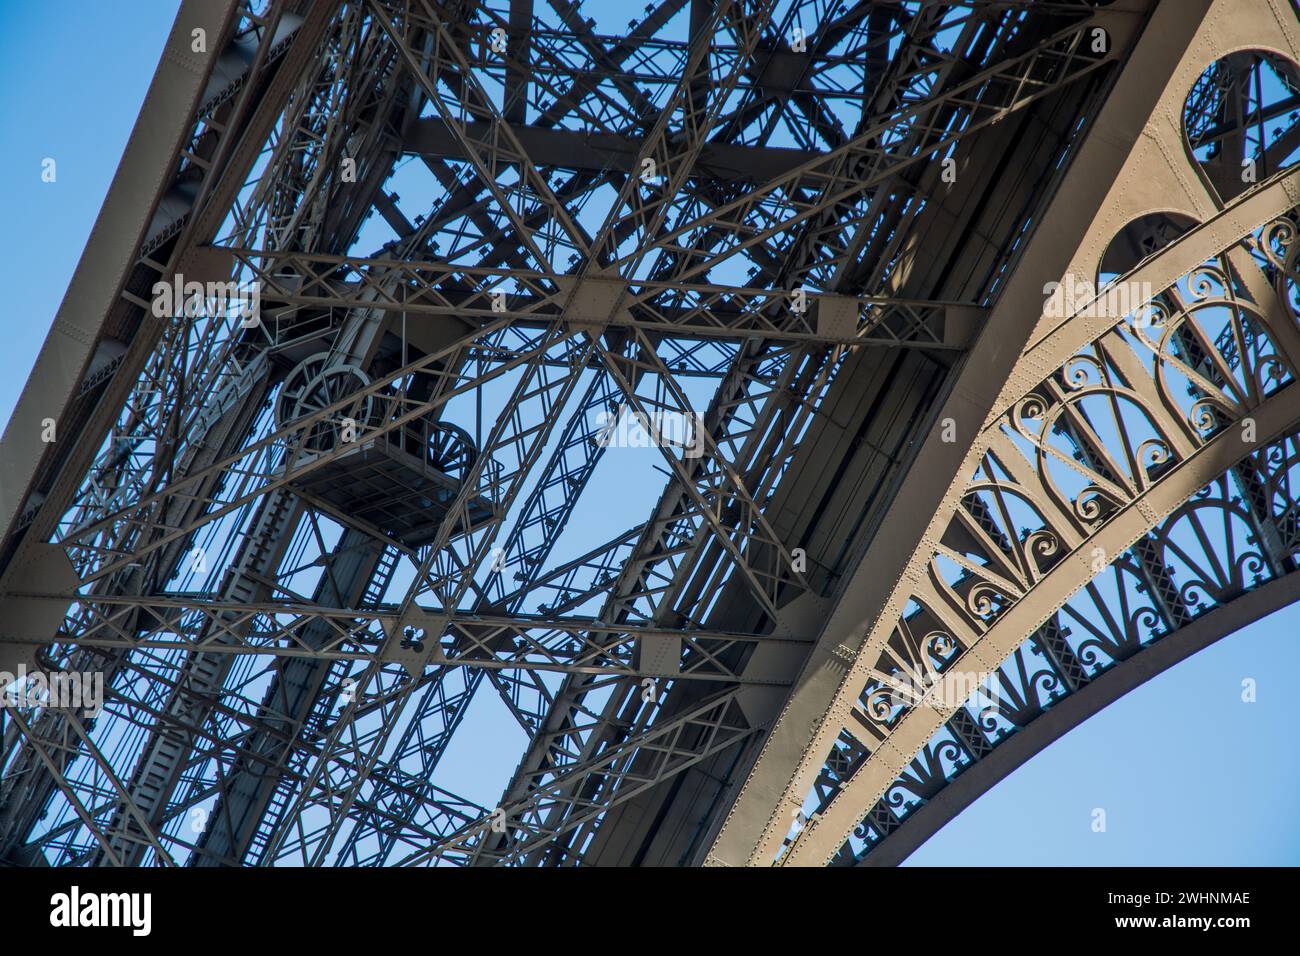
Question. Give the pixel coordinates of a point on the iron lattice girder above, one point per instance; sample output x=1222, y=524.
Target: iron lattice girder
x=573, y=583
x=227, y=134
x=875, y=155
x=626, y=385
x=602, y=732
x=500, y=149
x=439, y=809
x=679, y=172
x=273, y=461
x=445, y=576
x=441, y=812
x=693, y=311
x=667, y=551
x=451, y=576
x=658, y=751
x=547, y=643
x=529, y=543
x=172, y=111
x=321, y=7
x=56, y=752
x=655, y=306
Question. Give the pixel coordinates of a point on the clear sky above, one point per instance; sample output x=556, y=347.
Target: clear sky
x=1187, y=772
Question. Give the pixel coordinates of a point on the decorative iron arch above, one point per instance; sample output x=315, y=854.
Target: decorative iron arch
x=1170, y=511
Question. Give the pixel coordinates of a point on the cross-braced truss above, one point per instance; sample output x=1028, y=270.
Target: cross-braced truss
x=456, y=257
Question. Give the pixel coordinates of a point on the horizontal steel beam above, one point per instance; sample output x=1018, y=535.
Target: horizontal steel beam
x=597, y=152
x=294, y=280
x=580, y=645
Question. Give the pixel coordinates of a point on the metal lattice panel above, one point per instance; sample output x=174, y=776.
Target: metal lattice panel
x=477, y=239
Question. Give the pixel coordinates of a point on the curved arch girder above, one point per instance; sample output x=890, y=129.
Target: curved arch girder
x=885, y=839
x=1240, y=565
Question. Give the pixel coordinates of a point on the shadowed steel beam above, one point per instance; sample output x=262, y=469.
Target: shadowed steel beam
x=596, y=152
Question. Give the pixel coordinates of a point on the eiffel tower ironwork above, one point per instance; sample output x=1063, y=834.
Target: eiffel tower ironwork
x=992, y=306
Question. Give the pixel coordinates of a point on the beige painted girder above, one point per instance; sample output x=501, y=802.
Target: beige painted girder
x=138, y=186
x=1133, y=162
x=110, y=252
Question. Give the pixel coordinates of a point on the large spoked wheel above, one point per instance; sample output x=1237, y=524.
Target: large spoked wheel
x=315, y=385
x=451, y=450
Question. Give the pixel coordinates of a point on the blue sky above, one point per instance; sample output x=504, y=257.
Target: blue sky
x=1187, y=772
